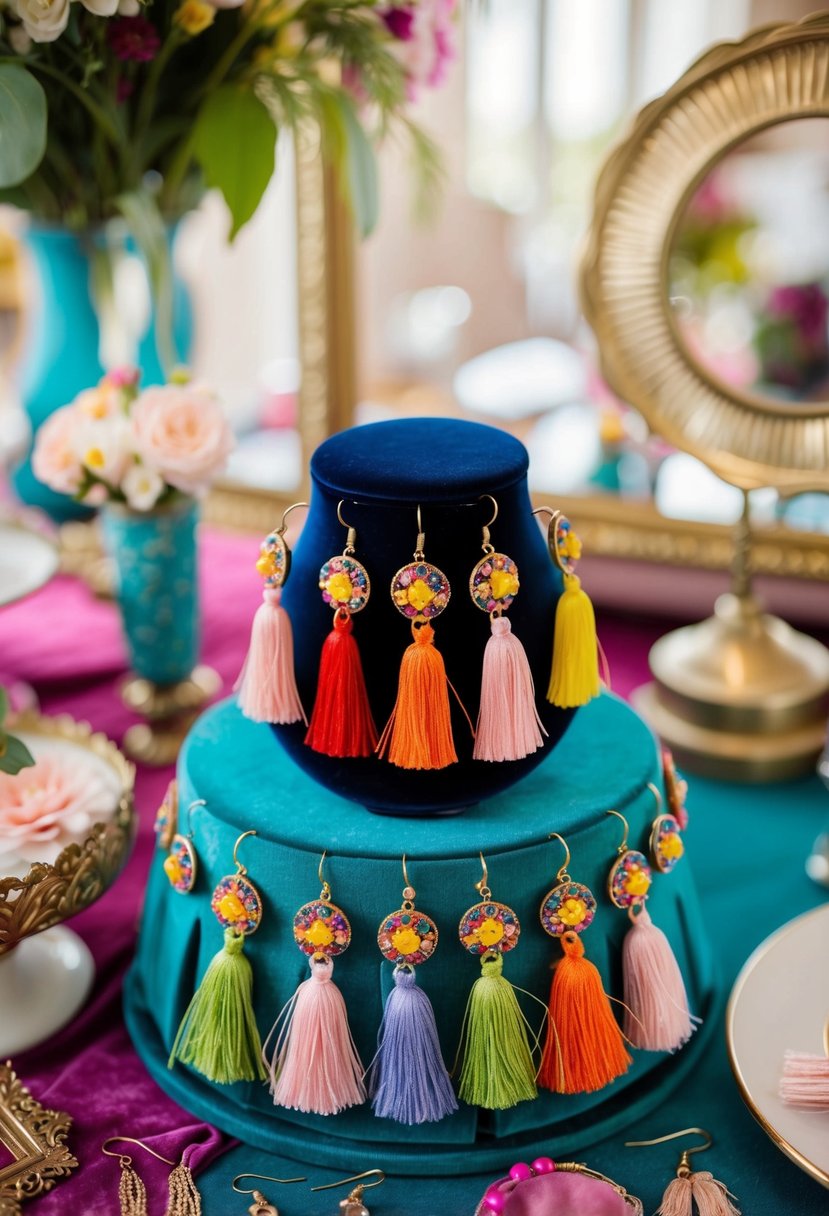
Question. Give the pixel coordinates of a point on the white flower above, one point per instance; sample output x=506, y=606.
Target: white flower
x=101, y=8
x=19, y=40
x=128, y=8
x=102, y=446
x=142, y=487
x=43, y=20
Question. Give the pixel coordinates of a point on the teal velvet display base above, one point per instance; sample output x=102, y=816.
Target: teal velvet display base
x=606, y=760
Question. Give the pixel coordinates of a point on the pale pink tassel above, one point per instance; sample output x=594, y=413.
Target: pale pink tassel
x=677, y=1198
x=657, y=1017
x=315, y=1067
x=805, y=1081
x=712, y=1197
x=509, y=727
x=266, y=685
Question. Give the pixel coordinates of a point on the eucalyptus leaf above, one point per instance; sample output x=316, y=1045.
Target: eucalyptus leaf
x=234, y=141
x=22, y=124
x=14, y=755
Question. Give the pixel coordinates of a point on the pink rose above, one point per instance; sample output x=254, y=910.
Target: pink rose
x=55, y=461
x=54, y=802
x=182, y=433
x=427, y=44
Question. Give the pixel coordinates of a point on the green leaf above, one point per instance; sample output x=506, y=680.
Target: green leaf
x=22, y=124
x=362, y=171
x=234, y=141
x=4, y=703
x=14, y=756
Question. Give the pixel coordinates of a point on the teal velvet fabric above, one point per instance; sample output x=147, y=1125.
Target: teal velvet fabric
x=605, y=760
x=739, y=838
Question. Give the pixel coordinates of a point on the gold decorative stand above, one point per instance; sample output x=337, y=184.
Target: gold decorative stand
x=742, y=695
x=169, y=709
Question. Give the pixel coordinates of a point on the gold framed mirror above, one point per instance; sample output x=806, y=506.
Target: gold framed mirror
x=734, y=91
x=741, y=695
x=35, y=1139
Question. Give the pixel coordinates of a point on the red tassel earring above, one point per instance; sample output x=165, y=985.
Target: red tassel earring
x=267, y=685
x=419, y=732
x=657, y=1017
x=509, y=727
x=341, y=723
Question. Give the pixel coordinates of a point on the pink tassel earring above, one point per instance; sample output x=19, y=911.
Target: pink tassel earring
x=315, y=1067
x=509, y=727
x=266, y=684
x=805, y=1080
x=657, y=1017
x=689, y=1189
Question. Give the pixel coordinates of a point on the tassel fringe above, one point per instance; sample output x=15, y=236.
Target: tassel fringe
x=574, y=679
x=341, y=722
x=584, y=1049
x=805, y=1081
x=498, y=1070
x=657, y=1017
x=509, y=727
x=712, y=1198
x=315, y=1067
x=266, y=684
x=218, y=1035
x=184, y=1199
x=418, y=735
x=409, y=1081
x=132, y=1194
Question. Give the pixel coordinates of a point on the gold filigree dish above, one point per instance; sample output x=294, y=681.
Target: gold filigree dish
x=35, y=1138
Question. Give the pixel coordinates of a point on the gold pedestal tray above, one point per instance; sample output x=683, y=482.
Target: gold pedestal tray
x=44, y=979
x=170, y=710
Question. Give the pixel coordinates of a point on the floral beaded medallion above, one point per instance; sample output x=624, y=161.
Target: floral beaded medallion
x=407, y=936
x=666, y=847
x=630, y=879
x=345, y=584
x=420, y=590
x=274, y=562
x=569, y=907
x=321, y=927
x=180, y=865
x=237, y=904
x=493, y=584
x=166, y=817
x=564, y=545
x=489, y=928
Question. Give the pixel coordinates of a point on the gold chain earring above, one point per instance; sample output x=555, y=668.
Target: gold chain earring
x=183, y=1196
x=509, y=727
x=353, y=1204
x=260, y=1205
x=688, y=1188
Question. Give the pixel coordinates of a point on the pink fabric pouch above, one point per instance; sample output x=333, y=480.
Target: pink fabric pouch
x=561, y=1194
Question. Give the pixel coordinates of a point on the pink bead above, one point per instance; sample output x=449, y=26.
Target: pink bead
x=495, y=1199
x=520, y=1172
x=543, y=1165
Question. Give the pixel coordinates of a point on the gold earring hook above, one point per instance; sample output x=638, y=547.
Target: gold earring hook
x=351, y=539
x=240, y=868
x=657, y=795
x=481, y=886
x=126, y=1160
x=421, y=538
x=552, y=538
x=378, y=1174
x=405, y=872
x=283, y=527
x=561, y=874
x=193, y=805
x=683, y=1166
x=261, y=1178
x=623, y=846
x=325, y=893
x=486, y=546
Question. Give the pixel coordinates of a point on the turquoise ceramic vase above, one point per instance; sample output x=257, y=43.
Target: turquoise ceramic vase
x=154, y=555
x=62, y=352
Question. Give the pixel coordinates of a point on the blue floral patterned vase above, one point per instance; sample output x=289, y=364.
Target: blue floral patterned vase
x=154, y=555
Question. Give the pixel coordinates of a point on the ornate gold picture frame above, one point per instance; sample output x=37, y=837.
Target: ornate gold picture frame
x=36, y=1139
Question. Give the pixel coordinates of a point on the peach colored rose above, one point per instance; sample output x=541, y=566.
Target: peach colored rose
x=55, y=459
x=54, y=802
x=182, y=433
x=103, y=401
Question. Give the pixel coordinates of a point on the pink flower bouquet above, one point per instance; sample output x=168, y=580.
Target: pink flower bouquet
x=114, y=443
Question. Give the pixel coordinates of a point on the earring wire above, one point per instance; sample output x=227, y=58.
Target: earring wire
x=240, y=868
x=325, y=893
x=351, y=539
x=378, y=1174
x=192, y=807
x=561, y=874
x=283, y=527
x=684, y=1165
x=623, y=846
x=261, y=1178
x=123, y=1158
x=657, y=795
x=481, y=886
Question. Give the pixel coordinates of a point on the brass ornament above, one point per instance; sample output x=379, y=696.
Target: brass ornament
x=50, y=893
x=36, y=1139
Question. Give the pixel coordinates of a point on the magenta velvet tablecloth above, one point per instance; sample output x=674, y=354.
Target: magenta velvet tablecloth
x=68, y=645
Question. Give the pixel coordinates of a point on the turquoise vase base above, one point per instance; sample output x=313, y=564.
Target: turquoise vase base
x=605, y=760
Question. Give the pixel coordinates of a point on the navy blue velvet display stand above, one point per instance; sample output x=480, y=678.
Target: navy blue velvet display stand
x=383, y=472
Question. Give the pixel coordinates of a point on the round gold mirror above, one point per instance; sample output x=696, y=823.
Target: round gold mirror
x=706, y=280
x=663, y=327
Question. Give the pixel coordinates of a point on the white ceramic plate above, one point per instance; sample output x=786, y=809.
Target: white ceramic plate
x=780, y=1001
x=27, y=561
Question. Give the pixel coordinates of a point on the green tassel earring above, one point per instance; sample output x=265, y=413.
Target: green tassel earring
x=497, y=1071
x=218, y=1036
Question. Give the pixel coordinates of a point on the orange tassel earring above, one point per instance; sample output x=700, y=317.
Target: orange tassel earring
x=584, y=1049
x=419, y=732
x=341, y=723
